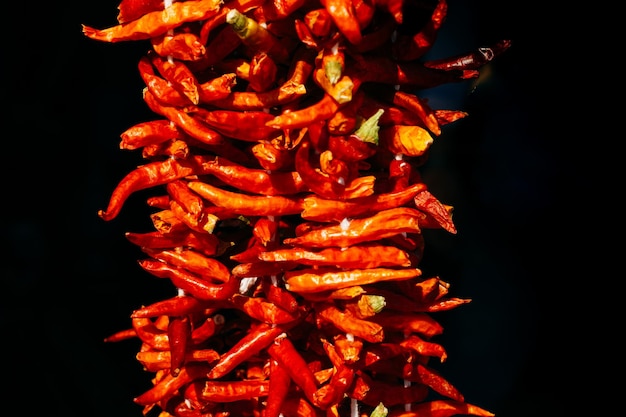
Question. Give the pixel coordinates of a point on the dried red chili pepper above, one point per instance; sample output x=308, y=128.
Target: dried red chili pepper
x=346, y=322
x=257, y=338
x=284, y=352
x=157, y=22
x=191, y=283
x=410, y=48
x=179, y=335
x=178, y=305
x=248, y=205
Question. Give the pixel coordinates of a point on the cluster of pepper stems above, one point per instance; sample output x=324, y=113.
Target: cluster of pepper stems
x=288, y=206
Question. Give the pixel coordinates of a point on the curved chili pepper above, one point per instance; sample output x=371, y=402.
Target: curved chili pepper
x=178, y=305
x=179, y=334
x=205, y=243
x=428, y=203
x=252, y=180
x=375, y=392
x=278, y=389
x=257, y=37
x=161, y=88
x=169, y=383
x=149, y=133
x=248, y=205
x=421, y=323
x=155, y=360
x=178, y=75
x=149, y=334
x=194, y=285
x=320, y=209
x=323, y=279
x=381, y=69
x=194, y=262
x=344, y=16
x=285, y=353
x=184, y=46
x=442, y=408
x=256, y=339
x=262, y=310
x=157, y=22
x=410, y=48
x=369, y=255
x=346, y=322
x=249, y=126
x=378, y=226
x=323, y=109
x=193, y=127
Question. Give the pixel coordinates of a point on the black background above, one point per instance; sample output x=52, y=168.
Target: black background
x=70, y=279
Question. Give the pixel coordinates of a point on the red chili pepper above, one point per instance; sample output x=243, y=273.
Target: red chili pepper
x=170, y=384
x=262, y=310
x=320, y=209
x=346, y=322
x=179, y=334
x=344, y=16
x=248, y=205
x=190, y=125
x=193, y=284
x=421, y=323
x=472, y=60
x=278, y=390
x=157, y=22
x=228, y=391
x=149, y=133
x=257, y=338
x=323, y=279
x=208, y=268
x=285, y=353
x=178, y=75
x=184, y=46
x=205, y=243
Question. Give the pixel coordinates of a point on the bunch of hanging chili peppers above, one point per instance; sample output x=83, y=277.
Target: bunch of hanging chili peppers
x=285, y=155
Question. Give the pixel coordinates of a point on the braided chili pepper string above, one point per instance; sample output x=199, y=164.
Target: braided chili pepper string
x=353, y=138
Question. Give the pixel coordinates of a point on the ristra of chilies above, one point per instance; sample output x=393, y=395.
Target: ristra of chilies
x=288, y=206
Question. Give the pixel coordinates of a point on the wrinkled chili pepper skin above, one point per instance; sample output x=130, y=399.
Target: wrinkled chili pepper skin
x=285, y=157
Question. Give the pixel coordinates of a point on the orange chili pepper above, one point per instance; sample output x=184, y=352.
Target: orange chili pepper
x=248, y=205
x=178, y=305
x=323, y=279
x=344, y=16
x=367, y=255
x=278, y=390
x=410, y=48
x=257, y=338
x=205, y=243
x=179, y=335
x=157, y=22
x=320, y=209
x=208, y=268
x=193, y=127
x=284, y=352
x=442, y=408
x=192, y=284
x=346, y=322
